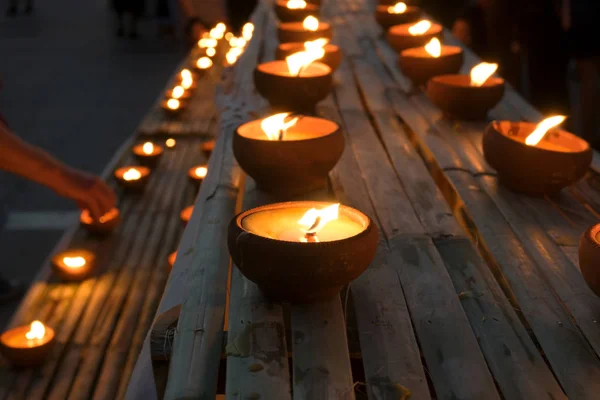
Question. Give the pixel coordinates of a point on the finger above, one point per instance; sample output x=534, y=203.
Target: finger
x=106, y=197
x=94, y=208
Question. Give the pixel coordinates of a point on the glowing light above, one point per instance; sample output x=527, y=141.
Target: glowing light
x=420, y=28
x=481, y=73
x=542, y=128
x=74, y=262
x=201, y=172
x=296, y=4
x=132, y=174
x=275, y=126
x=315, y=219
x=177, y=92
x=148, y=148
x=310, y=23
x=204, y=63
x=211, y=51
x=37, y=331
x=207, y=42
x=316, y=44
x=170, y=143
x=398, y=8
x=434, y=48
x=298, y=61
x=173, y=104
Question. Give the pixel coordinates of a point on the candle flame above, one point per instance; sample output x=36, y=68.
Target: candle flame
x=542, y=128
x=177, y=92
x=207, y=42
x=310, y=23
x=247, y=31
x=74, y=262
x=216, y=33
x=221, y=27
x=420, y=28
x=316, y=44
x=173, y=104
x=170, y=143
x=132, y=174
x=434, y=48
x=211, y=52
x=187, y=82
x=186, y=74
x=237, y=42
x=398, y=8
x=275, y=126
x=296, y=4
x=204, y=63
x=302, y=59
x=37, y=330
x=315, y=219
x=231, y=57
x=228, y=36
x=148, y=148
x=481, y=73
x=201, y=172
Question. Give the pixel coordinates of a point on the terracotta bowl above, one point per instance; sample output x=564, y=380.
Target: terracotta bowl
x=111, y=221
x=539, y=170
x=73, y=275
x=147, y=160
x=138, y=184
x=455, y=95
x=301, y=272
x=387, y=20
x=419, y=67
x=293, y=93
x=26, y=356
x=399, y=38
x=294, y=32
x=332, y=57
x=589, y=257
x=293, y=166
x=287, y=15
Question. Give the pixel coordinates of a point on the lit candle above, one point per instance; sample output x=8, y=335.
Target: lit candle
x=398, y=8
x=170, y=143
x=292, y=231
x=27, y=345
x=133, y=177
x=198, y=173
x=172, y=106
x=410, y=35
x=481, y=73
x=73, y=265
x=148, y=153
x=589, y=254
x=203, y=64
x=186, y=214
x=248, y=31
x=420, y=64
x=210, y=52
x=187, y=79
x=535, y=159
x=105, y=224
x=397, y=14
x=296, y=4
x=178, y=93
x=207, y=42
x=309, y=29
x=332, y=54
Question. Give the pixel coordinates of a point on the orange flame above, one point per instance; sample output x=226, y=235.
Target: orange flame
x=177, y=92
x=296, y=4
x=148, y=148
x=207, y=42
x=398, y=8
x=201, y=172
x=315, y=219
x=204, y=63
x=132, y=174
x=275, y=126
x=302, y=59
x=481, y=73
x=434, y=48
x=315, y=44
x=542, y=128
x=211, y=52
x=173, y=104
x=37, y=331
x=420, y=28
x=170, y=143
x=74, y=262
x=310, y=23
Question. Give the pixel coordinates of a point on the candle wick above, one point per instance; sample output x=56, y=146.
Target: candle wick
x=311, y=231
x=281, y=133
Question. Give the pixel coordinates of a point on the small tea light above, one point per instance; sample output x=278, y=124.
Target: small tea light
x=208, y=42
x=198, y=173
x=27, y=345
x=208, y=147
x=298, y=83
x=397, y=14
x=294, y=10
x=104, y=224
x=73, y=265
x=288, y=154
x=170, y=143
x=467, y=97
x=535, y=159
x=171, y=260
x=420, y=64
x=263, y=239
x=186, y=79
x=133, y=177
x=405, y=36
x=210, y=52
x=248, y=31
x=186, y=214
x=309, y=29
x=332, y=57
x=148, y=153
x=172, y=107
x=589, y=254
x=178, y=93
x=203, y=64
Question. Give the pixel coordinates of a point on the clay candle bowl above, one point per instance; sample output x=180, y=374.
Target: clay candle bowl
x=309, y=29
x=147, y=154
x=467, y=97
x=133, y=177
x=294, y=10
x=186, y=214
x=420, y=64
x=543, y=168
x=73, y=265
x=589, y=257
x=197, y=174
x=297, y=84
x=27, y=345
x=288, y=155
x=105, y=224
x=406, y=36
x=178, y=93
x=332, y=57
x=397, y=14
x=172, y=107
x=302, y=252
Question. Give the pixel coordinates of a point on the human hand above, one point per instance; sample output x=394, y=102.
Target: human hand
x=88, y=191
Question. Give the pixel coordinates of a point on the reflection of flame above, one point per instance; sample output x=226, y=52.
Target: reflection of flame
x=148, y=148
x=204, y=63
x=298, y=61
x=132, y=174
x=420, y=28
x=315, y=219
x=201, y=172
x=398, y=8
x=170, y=143
x=37, y=330
x=481, y=72
x=173, y=104
x=275, y=126
x=296, y=4
x=310, y=23
x=74, y=262
x=315, y=44
x=177, y=92
x=543, y=127
x=434, y=48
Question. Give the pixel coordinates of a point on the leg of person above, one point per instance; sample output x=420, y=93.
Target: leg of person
x=588, y=69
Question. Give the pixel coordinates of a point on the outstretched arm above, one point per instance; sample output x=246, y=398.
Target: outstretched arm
x=30, y=162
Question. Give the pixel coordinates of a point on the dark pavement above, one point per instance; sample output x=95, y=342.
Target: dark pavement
x=71, y=87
